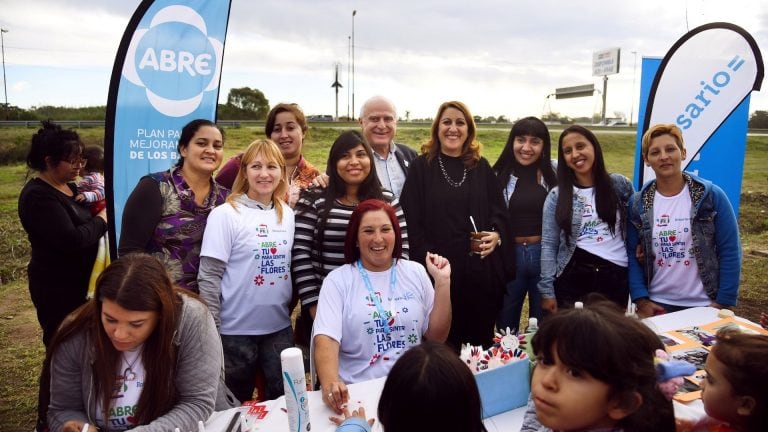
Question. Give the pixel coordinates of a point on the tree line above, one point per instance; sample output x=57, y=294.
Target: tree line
x=247, y=103
x=243, y=103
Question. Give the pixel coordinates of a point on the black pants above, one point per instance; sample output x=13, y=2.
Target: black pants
x=587, y=273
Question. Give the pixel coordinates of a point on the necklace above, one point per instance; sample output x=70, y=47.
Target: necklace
x=128, y=373
x=293, y=174
x=447, y=177
x=348, y=201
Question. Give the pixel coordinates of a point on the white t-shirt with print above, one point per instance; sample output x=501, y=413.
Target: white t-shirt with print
x=595, y=237
x=256, y=286
x=346, y=314
x=676, y=280
x=125, y=399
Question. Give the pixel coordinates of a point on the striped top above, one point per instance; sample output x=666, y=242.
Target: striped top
x=310, y=266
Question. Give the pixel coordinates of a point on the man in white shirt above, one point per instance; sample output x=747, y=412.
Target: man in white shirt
x=378, y=119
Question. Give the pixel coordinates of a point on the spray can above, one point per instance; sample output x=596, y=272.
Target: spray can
x=295, y=384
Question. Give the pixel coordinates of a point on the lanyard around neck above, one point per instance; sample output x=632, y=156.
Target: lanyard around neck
x=374, y=298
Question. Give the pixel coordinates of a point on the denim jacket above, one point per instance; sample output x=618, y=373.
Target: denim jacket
x=555, y=251
x=715, y=234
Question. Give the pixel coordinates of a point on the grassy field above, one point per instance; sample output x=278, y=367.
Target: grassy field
x=21, y=348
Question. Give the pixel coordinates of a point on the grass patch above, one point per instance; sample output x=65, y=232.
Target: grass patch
x=21, y=357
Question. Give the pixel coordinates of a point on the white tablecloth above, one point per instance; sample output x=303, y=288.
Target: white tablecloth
x=367, y=392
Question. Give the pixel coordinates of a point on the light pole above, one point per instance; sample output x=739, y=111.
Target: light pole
x=349, y=68
x=2, y=48
x=632, y=94
x=354, y=12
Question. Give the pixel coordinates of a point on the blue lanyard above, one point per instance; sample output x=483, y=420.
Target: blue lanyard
x=374, y=297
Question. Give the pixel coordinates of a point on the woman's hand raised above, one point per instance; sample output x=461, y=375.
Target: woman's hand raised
x=438, y=267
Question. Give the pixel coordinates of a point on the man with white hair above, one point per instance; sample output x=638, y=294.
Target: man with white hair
x=378, y=119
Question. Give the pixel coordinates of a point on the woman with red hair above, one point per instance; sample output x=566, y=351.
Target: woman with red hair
x=377, y=306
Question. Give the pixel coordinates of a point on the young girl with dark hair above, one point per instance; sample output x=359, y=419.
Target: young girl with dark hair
x=91, y=184
x=140, y=353
x=595, y=371
x=525, y=173
x=583, y=247
x=322, y=216
x=428, y=389
x=734, y=390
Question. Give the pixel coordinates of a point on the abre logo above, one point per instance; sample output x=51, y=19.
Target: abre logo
x=174, y=60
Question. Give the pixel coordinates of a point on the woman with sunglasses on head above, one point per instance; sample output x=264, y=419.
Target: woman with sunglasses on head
x=63, y=234
x=583, y=246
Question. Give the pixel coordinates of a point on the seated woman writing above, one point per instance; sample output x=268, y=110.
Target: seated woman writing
x=140, y=355
x=377, y=306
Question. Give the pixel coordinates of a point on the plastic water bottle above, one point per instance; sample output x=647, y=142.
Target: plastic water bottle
x=295, y=385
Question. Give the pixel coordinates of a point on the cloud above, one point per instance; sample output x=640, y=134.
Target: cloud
x=20, y=86
x=500, y=57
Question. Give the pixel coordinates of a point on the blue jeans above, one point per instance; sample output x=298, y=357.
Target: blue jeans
x=244, y=355
x=527, y=276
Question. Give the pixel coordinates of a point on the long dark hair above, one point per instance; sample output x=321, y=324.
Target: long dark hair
x=429, y=388
x=370, y=188
x=508, y=165
x=351, y=249
x=614, y=349
x=136, y=282
x=606, y=201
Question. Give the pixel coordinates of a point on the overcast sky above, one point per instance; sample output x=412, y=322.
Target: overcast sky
x=500, y=57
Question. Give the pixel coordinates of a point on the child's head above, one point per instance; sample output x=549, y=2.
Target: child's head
x=735, y=388
x=594, y=369
x=94, y=158
x=429, y=388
